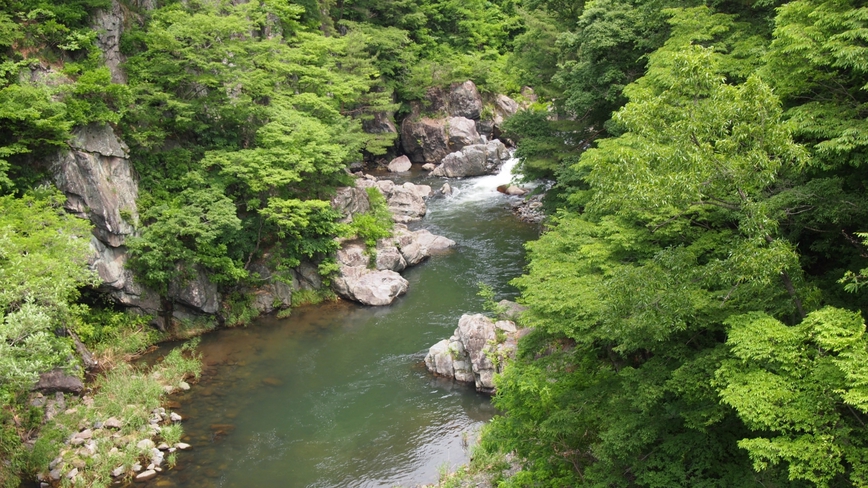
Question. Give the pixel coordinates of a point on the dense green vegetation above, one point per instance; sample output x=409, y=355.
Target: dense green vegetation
x=692, y=326
x=697, y=300
x=241, y=119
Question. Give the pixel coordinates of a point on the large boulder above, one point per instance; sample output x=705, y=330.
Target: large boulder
x=406, y=202
x=58, y=380
x=369, y=276
x=477, y=350
x=369, y=287
x=473, y=160
x=428, y=140
x=400, y=164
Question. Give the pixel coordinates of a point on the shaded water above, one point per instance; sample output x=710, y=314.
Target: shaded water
x=337, y=395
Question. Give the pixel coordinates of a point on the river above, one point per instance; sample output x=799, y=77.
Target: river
x=336, y=395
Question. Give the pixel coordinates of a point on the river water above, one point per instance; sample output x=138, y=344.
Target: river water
x=337, y=395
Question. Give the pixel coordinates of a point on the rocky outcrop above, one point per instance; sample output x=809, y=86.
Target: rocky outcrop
x=350, y=200
x=428, y=140
x=371, y=276
x=406, y=201
x=474, y=160
x=476, y=351
x=108, y=25
x=97, y=179
x=464, y=101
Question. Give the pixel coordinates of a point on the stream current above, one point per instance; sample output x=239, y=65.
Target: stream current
x=337, y=395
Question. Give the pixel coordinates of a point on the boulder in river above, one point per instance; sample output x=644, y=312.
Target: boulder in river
x=476, y=351
x=370, y=276
x=369, y=287
x=473, y=160
x=400, y=164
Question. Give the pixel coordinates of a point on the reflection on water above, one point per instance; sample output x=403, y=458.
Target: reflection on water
x=337, y=395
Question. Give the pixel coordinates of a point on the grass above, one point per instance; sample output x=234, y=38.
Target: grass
x=128, y=394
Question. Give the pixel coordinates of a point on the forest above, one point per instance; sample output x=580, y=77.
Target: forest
x=697, y=296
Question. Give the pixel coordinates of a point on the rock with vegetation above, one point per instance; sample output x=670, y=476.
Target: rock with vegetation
x=97, y=179
x=476, y=351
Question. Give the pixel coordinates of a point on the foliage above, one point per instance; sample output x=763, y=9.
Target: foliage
x=802, y=392
x=43, y=262
x=679, y=336
x=374, y=224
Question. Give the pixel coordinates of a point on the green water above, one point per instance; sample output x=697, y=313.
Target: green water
x=337, y=395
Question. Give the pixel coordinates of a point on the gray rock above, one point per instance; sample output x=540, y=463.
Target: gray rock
x=429, y=166
x=510, y=310
x=85, y=434
x=197, y=292
x=308, y=276
x=183, y=385
x=108, y=25
x=406, y=205
x=183, y=446
x=473, y=160
x=504, y=108
x=57, y=380
x=353, y=254
x=146, y=475
x=145, y=445
x=514, y=190
x=474, y=353
x=390, y=258
x=98, y=182
x=433, y=243
x=119, y=471
x=465, y=101
x=427, y=140
x=400, y=164
x=369, y=287
x=446, y=189
x=350, y=200
x=72, y=473
x=380, y=123
x=174, y=417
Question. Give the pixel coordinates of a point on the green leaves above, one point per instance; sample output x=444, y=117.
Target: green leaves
x=194, y=227
x=43, y=262
x=803, y=392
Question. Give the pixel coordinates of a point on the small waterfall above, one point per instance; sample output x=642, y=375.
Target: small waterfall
x=482, y=188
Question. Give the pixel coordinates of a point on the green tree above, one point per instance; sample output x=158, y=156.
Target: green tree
x=43, y=263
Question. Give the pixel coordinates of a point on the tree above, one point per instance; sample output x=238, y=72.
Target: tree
x=43, y=263
x=678, y=234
